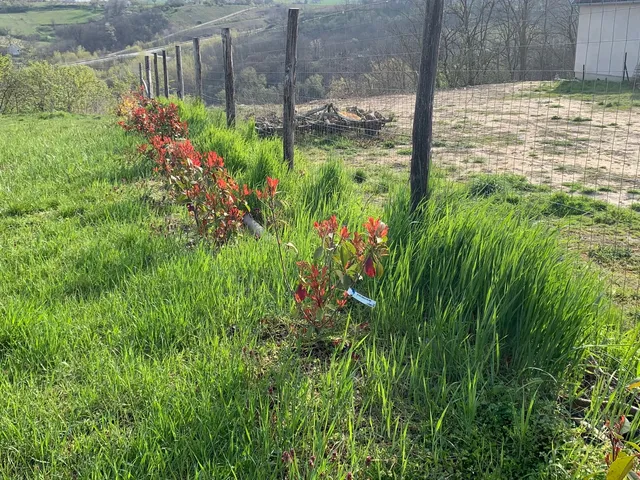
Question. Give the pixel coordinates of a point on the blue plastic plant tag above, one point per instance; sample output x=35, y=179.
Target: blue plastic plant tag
x=361, y=298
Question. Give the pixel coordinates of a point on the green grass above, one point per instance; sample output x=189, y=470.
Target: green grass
x=191, y=15
x=360, y=175
x=606, y=95
x=40, y=17
x=610, y=253
x=129, y=350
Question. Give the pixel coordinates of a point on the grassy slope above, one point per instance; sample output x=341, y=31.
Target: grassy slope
x=27, y=23
x=125, y=350
x=191, y=15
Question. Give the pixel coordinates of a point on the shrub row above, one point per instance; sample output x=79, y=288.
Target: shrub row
x=219, y=204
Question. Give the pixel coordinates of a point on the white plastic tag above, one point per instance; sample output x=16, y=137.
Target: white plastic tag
x=361, y=298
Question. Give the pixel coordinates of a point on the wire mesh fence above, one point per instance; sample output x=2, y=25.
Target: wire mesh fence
x=552, y=102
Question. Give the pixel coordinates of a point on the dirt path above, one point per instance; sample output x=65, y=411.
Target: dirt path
x=559, y=141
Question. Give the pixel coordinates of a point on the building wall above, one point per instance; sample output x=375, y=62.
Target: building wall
x=605, y=33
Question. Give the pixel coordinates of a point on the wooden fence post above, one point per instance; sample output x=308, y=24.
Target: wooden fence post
x=147, y=71
x=165, y=73
x=423, y=115
x=179, y=69
x=288, y=117
x=198, y=63
x=228, y=77
x=141, y=78
x=155, y=72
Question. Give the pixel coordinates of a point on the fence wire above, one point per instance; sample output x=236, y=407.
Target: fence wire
x=558, y=116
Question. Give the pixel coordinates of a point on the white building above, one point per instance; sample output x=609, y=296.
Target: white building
x=607, y=30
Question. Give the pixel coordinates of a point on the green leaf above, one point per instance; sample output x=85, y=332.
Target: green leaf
x=635, y=446
x=379, y=269
x=345, y=255
x=354, y=269
x=318, y=253
x=351, y=247
x=621, y=467
x=344, y=281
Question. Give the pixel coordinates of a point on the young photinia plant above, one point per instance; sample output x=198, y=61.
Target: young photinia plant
x=150, y=118
x=340, y=261
x=197, y=180
x=619, y=463
x=200, y=181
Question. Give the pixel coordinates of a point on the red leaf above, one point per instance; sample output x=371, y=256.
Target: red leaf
x=300, y=294
x=369, y=268
x=272, y=186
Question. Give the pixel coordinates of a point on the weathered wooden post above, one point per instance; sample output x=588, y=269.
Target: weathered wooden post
x=288, y=117
x=165, y=73
x=147, y=71
x=198, y=63
x=228, y=77
x=141, y=78
x=423, y=115
x=155, y=72
x=179, y=69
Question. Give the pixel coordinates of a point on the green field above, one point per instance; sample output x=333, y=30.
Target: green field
x=130, y=350
x=41, y=18
x=192, y=15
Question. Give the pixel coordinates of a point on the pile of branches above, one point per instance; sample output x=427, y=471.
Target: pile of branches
x=327, y=119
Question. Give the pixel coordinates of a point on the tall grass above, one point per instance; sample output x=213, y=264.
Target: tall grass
x=502, y=287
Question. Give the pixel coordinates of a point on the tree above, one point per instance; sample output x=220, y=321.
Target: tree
x=312, y=88
x=115, y=8
x=518, y=28
x=252, y=87
x=468, y=26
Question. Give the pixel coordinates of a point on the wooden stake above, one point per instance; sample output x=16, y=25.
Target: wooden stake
x=228, y=77
x=155, y=72
x=423, y=115
x=198, y=63
x=147, y=71
x=288, y=118
x=165, y=72
x=141, y=77
x=179, y=69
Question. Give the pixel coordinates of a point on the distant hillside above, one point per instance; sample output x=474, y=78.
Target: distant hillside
x=102, y=26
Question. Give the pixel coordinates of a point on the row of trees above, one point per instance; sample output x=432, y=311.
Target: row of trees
x=116, y=30
x=496, y=40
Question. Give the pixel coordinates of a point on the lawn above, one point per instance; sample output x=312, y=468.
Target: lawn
x=41, y=17
x=129, y=349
